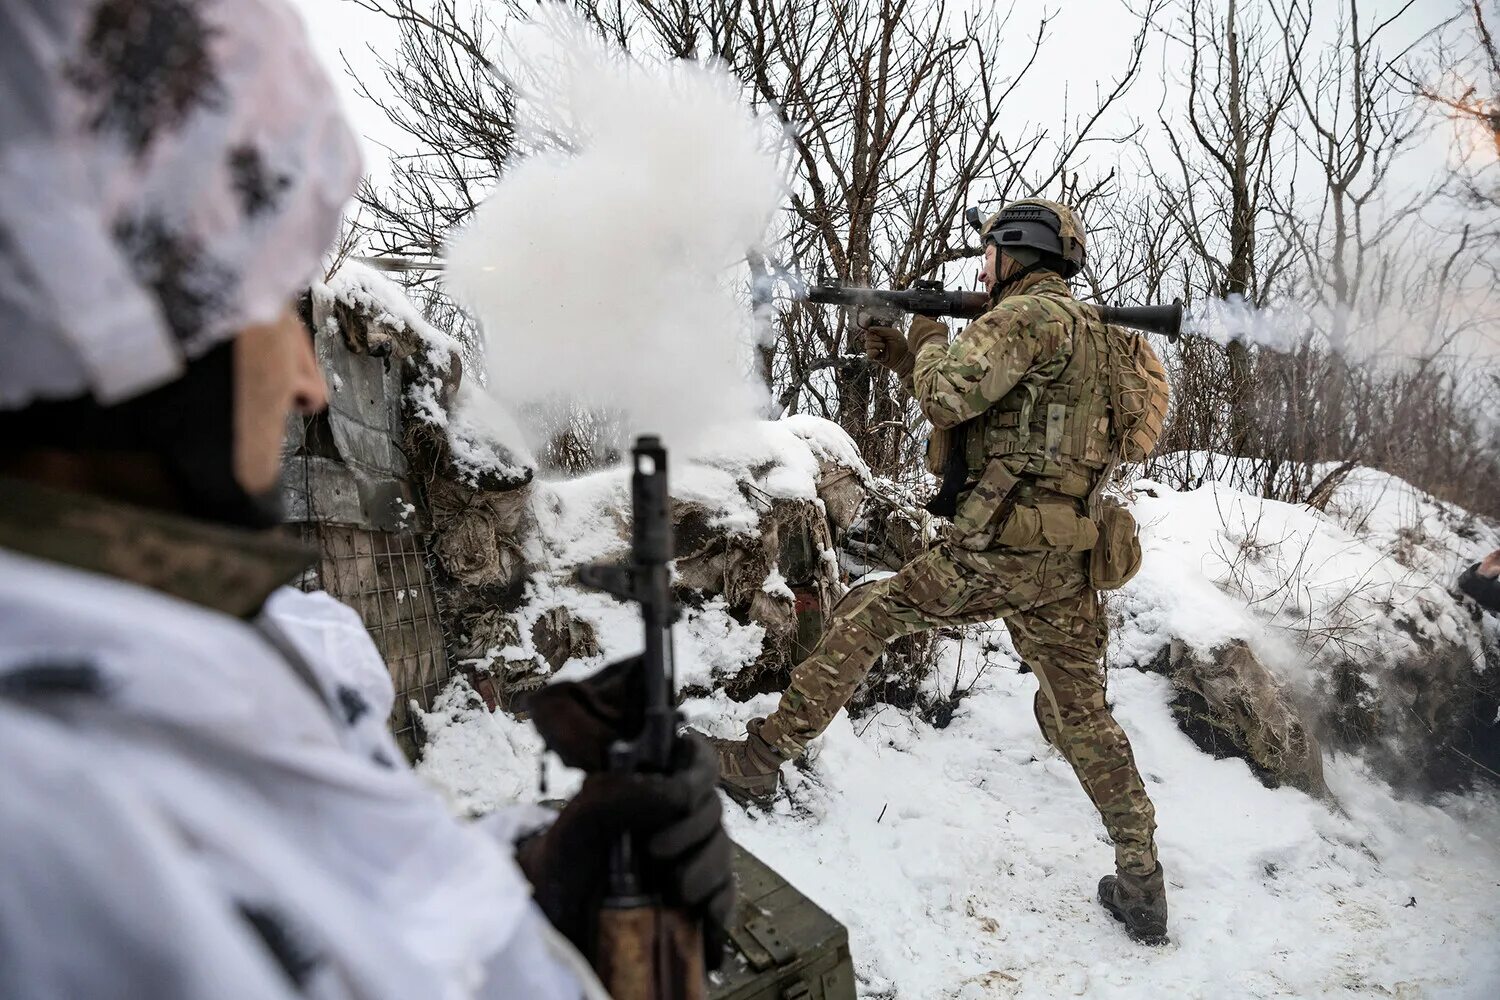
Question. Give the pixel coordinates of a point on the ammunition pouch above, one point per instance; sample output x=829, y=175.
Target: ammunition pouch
x=1003, y=512
x=1053, y=525
x=1117, y=553
x=976, y=520
x=939, y=447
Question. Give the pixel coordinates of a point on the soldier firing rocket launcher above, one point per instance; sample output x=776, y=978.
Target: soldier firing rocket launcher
x=928, y=298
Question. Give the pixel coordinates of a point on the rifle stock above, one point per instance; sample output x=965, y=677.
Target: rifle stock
x=646, y=951
x=650, y=953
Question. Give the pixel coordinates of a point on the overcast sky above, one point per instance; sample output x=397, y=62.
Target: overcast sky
x=1088, y=46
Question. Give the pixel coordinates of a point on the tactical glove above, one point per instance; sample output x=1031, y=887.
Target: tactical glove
x=922, y=330
x=886, y=346
x=579, y=720
x=675, y=819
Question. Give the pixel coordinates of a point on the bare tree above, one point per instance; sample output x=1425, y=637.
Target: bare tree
x=1229, y=158
x=459, y=116
x=1357, y=123
x=1464, y=80
x=351, y=234
x=1279, y=186
x=895, y=115
x=894, y=112
x=1461, y=81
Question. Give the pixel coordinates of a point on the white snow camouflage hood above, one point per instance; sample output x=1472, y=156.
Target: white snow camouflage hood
x=170, y=172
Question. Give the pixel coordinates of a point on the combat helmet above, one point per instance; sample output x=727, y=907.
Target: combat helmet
x=1036, y=232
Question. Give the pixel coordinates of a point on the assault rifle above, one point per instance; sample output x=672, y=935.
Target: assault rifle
x=646, y=951
x=928, y=298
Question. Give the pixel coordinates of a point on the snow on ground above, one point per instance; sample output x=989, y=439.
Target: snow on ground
x=1369, y=580
x=964, y=860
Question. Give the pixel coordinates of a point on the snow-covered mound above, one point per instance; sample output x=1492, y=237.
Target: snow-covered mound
x=738, y=504
x=369, y=293
x=579, y=520
x=1352, y=608
x=1368, y=580
x=481, y=441
x=963, y=859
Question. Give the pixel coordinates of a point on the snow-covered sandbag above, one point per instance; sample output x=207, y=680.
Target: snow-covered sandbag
x=1231, y=705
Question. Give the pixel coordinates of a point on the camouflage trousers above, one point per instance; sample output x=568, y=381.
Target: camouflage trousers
x=1059, y=629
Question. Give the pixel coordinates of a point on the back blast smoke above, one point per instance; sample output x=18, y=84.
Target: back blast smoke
x=602, y=267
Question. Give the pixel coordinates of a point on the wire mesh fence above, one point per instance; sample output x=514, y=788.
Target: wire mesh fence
x=383, y=576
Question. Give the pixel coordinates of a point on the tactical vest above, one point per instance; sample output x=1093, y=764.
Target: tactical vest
x=1053, y=430
x=1051, y=435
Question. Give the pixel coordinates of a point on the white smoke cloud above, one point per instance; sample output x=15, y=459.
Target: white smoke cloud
x=602, y=268
x=1236, y=318
x=1462, y=328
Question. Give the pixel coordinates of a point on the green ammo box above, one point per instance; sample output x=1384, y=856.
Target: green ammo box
x=783, y=945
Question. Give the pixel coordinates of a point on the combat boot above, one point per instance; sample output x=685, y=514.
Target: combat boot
x=1139, y=902
x=749, y=769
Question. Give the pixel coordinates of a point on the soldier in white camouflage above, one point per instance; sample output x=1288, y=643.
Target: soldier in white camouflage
x=1024, y=393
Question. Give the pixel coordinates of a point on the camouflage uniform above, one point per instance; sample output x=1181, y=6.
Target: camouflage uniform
x=1027, y=379
x=227, y=569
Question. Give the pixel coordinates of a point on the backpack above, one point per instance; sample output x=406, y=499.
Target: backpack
x=1139, y=394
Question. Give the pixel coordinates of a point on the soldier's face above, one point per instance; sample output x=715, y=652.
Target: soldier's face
x=993, y=259
x=275, y=374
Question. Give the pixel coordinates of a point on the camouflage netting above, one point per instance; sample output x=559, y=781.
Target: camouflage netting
x=889, y=530
x=756, y=541
x=473, y=483
x=778, y=578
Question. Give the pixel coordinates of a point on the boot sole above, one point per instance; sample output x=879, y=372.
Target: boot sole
x=747, y=798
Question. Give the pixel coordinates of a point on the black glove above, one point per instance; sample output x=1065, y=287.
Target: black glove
x=1485, y=590
x=675, y=819
x=579, y=720
x=886, y=346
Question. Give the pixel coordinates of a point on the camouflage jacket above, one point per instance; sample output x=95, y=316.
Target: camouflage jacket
x=197, y=816
x=1028, y=382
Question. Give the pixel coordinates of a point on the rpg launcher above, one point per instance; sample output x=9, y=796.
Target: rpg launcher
x=928, y=298
x=645, y=950
x=1152, y=319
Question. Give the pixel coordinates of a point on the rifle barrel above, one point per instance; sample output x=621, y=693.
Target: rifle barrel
x=652, y=544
